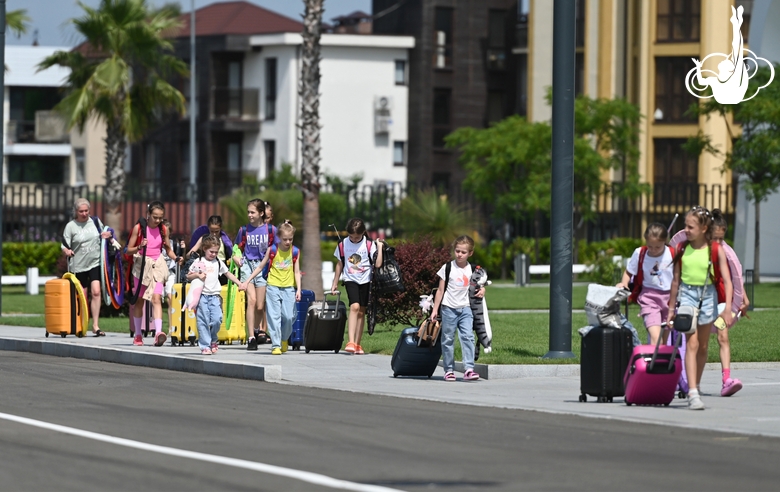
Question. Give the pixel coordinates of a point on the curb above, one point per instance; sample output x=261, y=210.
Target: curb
x=169, y=362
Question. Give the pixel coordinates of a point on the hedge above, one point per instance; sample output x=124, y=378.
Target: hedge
x=17, y=257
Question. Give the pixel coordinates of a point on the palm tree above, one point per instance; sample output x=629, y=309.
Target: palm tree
x=310, y=144
x=119, y=78
x=427, y=213
x=17, y=21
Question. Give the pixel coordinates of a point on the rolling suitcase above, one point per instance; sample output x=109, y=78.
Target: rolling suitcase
x=236, y=329
x=409, y=359
x=324, y=325
x=604, y=356
x=62, y=309
x=184, y=327
x=652, y=374
x=301, y=309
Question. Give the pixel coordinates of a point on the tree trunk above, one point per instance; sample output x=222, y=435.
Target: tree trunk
x=311, y=262
x=113, y=195
x=757, y=247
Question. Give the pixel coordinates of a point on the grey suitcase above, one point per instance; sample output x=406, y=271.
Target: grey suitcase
x=411, y=360
x=325, y=324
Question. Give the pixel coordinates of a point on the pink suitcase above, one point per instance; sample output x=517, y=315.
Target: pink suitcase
x=652, y=375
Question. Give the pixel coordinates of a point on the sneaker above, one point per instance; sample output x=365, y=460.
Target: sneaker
x=350, y=348
x=730, y=386
x=159, y=339
x=450, y=376
x=694, y=402
x=214, y=348
x=285, y=345
x=138, y=340
x=470, y=375
x=359, y=350
x=276, y=351
x=205, y=351
x=251, y=344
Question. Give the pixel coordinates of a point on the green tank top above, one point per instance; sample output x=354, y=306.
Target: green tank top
x=695, y=263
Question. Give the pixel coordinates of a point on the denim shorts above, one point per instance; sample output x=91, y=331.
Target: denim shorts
x=247, y=267
x=689, y=296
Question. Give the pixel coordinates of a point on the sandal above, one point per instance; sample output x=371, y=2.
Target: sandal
x=450, y=376
x=470, y=375
x=98, y=333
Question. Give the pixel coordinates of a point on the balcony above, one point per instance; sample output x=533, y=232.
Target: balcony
x=235, y=109
x=48, y=127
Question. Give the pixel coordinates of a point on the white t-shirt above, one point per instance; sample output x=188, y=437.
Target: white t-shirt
x=457, y=293
x=213, y=269
x=357, y=268
x=658, y=271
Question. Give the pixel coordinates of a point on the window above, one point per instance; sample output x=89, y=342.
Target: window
x=81, y=168
x=152, y=167
x=400, y=72
x=270, y=88
x=672, y=99
x=441, y=116
x=579, y=23
x=36, y=169
x=399, y=154
x=676, y=174
x=234, y=157
x=443, y=38
x=521, y=29
x=678, y=21
x=496, y=51
x=270, y=157
x=521, y=101
x=495, y=106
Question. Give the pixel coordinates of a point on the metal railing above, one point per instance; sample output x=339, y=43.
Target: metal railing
x=241, y=103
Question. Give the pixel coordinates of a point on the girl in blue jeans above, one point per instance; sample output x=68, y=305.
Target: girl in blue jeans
x=284, y=287
x=209, y=312
x=453, y=297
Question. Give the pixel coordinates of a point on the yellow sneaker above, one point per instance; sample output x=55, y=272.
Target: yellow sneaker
x=276, y=351
x=284, y=346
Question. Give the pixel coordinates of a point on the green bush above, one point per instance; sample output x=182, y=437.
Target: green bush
x=17, y=257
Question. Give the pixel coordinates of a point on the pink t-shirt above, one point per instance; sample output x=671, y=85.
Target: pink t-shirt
x=153, y=243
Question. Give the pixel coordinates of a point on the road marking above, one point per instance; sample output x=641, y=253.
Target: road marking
x=304, y=476
x=760, y=384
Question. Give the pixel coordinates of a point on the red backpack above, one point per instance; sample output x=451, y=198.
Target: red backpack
x=717, y=279
x=128, y=258
x=368, y=251
x=272, y=254
x=640, y=274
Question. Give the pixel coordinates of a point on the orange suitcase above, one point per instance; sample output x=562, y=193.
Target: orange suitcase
x=62, y=309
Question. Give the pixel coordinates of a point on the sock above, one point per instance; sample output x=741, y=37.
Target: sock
x=726, y=374
x=693, y=392
x=137, y=325
x=157, y=326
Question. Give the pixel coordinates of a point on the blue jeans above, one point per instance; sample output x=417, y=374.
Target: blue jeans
x=280, y=311
x=463, y=320
x=209, y=319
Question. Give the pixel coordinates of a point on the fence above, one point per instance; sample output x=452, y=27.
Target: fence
x=40, y=212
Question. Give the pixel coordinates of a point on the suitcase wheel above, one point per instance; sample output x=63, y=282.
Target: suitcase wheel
x=666, y=404
x=583, y=397
x=681, y=394
x=47, y=334
x=80, y=334
x=307, y=351
x=628, y=403
x=603, y=399
x=336, y=351
x=396, y=375
x=63, y=334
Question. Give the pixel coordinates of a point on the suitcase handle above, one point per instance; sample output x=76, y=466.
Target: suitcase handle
x=664, y=326
x=325, y=301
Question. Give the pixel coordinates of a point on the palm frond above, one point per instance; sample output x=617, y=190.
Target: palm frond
x=17, y=21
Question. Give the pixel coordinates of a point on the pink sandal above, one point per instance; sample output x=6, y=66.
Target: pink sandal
x=470, y=376
x=730, y=386
x=450, y=376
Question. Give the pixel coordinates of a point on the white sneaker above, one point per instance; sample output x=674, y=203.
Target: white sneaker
x=695, y=403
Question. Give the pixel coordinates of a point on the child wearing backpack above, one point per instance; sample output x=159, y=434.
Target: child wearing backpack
x=283, y=288
x=254, y=240
x=701, y=276
x=357, y=264
x=150, y=270
x=652, y=268
x=452, y=296
x=209, y=314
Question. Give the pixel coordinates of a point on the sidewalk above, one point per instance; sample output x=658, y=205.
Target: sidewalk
x=546, y=388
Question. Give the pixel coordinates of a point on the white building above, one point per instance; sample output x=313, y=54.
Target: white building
x=363, y=105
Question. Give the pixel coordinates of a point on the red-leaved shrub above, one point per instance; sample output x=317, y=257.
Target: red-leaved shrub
x=419, y=261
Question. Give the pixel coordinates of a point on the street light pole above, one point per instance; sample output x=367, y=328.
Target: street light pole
x=193, y=101
x=2, y=141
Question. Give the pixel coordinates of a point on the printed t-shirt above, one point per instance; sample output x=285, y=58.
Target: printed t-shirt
x=658, y=270
x=358, y=267
x=282, y=273
x=457, y=293
x=213, y=269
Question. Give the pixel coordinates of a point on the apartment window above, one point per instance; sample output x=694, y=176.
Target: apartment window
x=676, y=174
x=495, y=106
x=81, y=167
x=399, y=154
x=441, y=116
x=270, y=88
x=234, y=157
x=270, y=156
x=579, y=20
x=400, y=72
x=443, y=37
x=672, y=99
x=521, y=100
x=152, y=167
x=496, y=50
x=678, y=21
x=36, y=169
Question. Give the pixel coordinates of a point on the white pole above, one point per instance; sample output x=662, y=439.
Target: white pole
x=193, y=100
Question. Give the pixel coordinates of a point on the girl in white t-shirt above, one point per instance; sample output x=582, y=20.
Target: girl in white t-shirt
x=209, y=313
x=652, y=268
x=354, y=254
x=453, y=297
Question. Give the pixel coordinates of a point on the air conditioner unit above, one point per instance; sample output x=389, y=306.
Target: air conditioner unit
x=50, y=127
x=383, y=103
x=382, y=124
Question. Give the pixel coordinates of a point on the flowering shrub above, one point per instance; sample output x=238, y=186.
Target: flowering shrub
x=419, y=261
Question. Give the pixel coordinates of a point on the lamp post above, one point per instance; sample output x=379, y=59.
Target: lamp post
x=2, y=141
x=193, y=100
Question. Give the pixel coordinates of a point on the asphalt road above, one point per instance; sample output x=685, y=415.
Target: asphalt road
x=396, y=443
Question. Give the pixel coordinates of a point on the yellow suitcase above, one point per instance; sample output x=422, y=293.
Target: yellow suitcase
x=237, y=328
x=184, y=327
x=64, y=307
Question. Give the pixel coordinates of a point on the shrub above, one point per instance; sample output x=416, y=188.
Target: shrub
x=17, y=257
x=419, y=262
x=426, y=213
x=605, y=271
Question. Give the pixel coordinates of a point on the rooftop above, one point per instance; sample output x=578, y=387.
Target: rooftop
x=22, y=63
x=237, y=17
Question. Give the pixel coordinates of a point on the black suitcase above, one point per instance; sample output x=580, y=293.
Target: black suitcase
x=325, y=324
x=604, y=356
x=411, y=360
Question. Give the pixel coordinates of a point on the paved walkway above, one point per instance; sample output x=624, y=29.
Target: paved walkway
x=546, y=388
